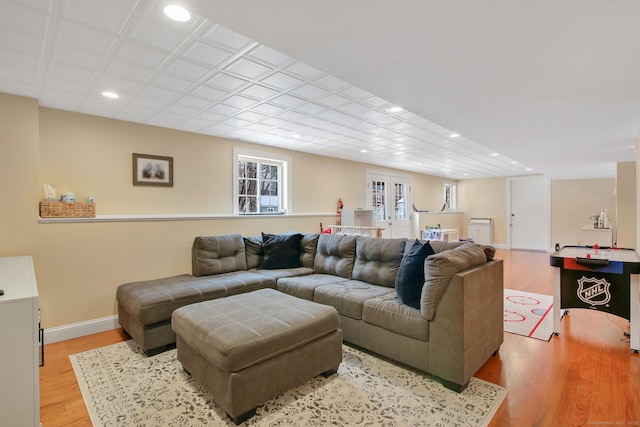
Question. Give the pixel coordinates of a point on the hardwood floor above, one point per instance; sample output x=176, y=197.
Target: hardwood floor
x=586, y=376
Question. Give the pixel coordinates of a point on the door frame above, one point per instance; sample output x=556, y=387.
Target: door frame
x=546, y=201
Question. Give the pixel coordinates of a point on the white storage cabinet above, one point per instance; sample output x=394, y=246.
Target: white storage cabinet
x=19, y=357
x=481, y=230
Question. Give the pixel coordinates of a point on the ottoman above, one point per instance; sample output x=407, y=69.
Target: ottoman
x=248, y=348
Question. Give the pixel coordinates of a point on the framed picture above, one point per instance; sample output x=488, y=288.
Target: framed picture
x=152, y=170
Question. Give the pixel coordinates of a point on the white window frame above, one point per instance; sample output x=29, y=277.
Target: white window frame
x=282, y=160
x=453, y=205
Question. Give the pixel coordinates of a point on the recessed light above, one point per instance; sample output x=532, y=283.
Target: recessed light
x=296, y=135
x=364, y=151
x=110, y=95
x=395, y=109
x=454, y=135
x=514, y=162
x=494, y=154
x=177, y=13
x=528, y=169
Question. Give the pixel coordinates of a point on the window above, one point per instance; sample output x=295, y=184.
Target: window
x=260, y=183
x=449, y=197
x=400, y=198
x=379, y=194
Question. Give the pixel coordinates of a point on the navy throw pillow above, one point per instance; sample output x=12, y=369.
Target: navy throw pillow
x=281, y=251
x=410, y=278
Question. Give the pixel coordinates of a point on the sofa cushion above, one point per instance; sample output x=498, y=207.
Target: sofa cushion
x=308, y=249
x=281, y=273
x=348, y=297
x=281, y=251
x=410, y=278
x=378, y=260
x=440, y=268
x=152, y=301
x=217, y=254
x=253, y=251
x=335, y=255
x=305, y=286
x=388, y=313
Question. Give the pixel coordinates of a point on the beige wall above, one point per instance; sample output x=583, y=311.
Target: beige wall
x=626, y=205
x=80, y=265
x=573, y=201
x=18, y=174
x=88, y=154
x=485, y=198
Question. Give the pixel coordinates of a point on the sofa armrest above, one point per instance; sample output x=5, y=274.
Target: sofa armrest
x=468, y=326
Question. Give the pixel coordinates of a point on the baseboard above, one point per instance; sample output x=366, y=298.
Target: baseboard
x=75, y=330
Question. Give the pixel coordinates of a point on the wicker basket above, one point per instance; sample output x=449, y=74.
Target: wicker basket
x=67, y=210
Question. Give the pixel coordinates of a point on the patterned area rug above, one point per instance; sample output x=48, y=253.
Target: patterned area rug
x=528, y=314
x=123, y=387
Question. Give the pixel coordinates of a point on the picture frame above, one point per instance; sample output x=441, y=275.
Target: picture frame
x=152, y=170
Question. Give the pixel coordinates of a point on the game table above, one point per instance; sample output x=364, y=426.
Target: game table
x=603, y=279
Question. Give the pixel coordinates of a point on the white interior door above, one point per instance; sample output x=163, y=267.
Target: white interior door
x=529, y=213
x=390, y=198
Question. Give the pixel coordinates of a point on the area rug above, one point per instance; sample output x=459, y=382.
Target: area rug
x=123, y=387
x=528, y=314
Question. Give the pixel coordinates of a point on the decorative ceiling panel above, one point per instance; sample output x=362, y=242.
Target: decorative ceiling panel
x=202, y=77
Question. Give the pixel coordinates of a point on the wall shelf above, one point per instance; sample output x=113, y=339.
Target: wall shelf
x=175, y=217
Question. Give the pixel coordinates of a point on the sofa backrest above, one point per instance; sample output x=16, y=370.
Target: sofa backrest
x=335, y=255
x=441, y=246
x=441, y=267
x=378, y=260
x=217, y=254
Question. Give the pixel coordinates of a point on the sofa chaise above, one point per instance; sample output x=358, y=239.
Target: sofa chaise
x=449, y=331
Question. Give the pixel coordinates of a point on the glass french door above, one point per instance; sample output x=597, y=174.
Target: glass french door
x=390, y=197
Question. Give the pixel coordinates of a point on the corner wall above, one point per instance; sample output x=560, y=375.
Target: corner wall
x=626, y=215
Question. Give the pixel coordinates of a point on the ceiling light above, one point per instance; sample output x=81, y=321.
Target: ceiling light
x=528, y=169
x=110, y=95
x=296, y=135
x=494, y=154
x=454, y=135
x=395, y=109
x=364, y=151
x=177, y=13
x=514, y=162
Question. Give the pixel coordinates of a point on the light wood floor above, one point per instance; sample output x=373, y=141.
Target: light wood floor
x=586, y=376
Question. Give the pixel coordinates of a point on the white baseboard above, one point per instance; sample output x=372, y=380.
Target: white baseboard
x=75, y=330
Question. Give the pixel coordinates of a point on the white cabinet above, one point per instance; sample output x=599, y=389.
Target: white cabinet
x=481, y=230
x=19, y=360
x=358, y=217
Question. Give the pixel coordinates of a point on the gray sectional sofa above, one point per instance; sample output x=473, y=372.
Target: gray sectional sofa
x=457, y=327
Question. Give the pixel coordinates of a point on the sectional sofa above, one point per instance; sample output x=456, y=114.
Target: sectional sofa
x=451, y=327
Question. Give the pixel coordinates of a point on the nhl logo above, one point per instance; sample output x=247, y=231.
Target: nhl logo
x=594, y=291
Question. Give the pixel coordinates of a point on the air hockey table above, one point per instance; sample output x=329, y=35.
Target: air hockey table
x=602, y=279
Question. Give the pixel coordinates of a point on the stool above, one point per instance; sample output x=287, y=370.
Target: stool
x=248, y=348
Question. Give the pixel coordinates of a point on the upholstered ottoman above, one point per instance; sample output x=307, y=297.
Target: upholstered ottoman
x=248, y=348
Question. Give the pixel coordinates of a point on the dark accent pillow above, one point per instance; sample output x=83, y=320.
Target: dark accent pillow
x=281, y=251
x=410, y=278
